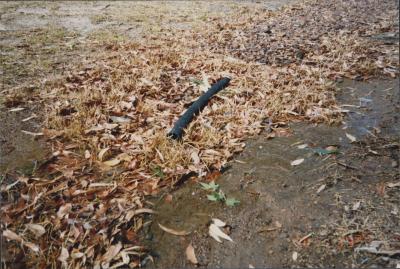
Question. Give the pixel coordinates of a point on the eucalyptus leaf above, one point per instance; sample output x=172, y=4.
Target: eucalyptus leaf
x=232, y=202
x=216, y=196
x=321, y=151
x=213, y=197
x=209, y=186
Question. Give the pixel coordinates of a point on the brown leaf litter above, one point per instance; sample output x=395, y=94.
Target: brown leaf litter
x=108, y=119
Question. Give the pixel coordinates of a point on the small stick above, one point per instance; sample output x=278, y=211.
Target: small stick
x=347, y=166
x=305, y=237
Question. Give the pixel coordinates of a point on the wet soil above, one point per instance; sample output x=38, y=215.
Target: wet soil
x=19, y=150
x=341, y=201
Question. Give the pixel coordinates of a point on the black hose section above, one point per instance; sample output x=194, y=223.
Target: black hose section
x=177, y=131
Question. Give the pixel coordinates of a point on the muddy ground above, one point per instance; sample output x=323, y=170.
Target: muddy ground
x=323, y=211
x=340, y=201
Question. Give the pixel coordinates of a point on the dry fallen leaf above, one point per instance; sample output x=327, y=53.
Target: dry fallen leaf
x=112, y=162
x=32, y=246
x=204, y=86
x=144, y=210
x=219, y=222
x=392, y=185
x=124, y=157
x=190, y=255
x=295, y=255
x=296, y=162
x=119, y=119
x=351, y=137
x=125, y=257
x=29, y=118
x=16, y=109
x=31, y=133
x=87, y=154
x=63, y=255
x=77, y=255
x=303, y=146
x=12, y=236
x=321, y=188
x=331, y=148
x=37, y=229
x=101, y=184
x=64, y=210
x=174, y=232
x=195, y=157
x=215, y=232
x=111, y=252
x=356, y=205
x=102, y=153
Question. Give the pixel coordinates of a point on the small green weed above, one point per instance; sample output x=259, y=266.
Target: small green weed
x=217, y=195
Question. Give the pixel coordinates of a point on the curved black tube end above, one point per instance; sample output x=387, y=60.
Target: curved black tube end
x=177, y=131
x=174, y=135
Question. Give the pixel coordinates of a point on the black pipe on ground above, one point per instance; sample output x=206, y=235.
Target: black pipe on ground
x=196, y=108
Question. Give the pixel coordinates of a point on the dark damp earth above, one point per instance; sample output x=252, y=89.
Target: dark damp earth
x=334, y=199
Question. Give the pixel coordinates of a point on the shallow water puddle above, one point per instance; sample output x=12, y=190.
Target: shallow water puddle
x=278, y=201
x=18, y=150
x=370, y=106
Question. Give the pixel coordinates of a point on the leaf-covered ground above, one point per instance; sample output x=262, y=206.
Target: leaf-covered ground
x=107, y=118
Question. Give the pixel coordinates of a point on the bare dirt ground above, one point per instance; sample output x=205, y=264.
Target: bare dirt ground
x=335, y=209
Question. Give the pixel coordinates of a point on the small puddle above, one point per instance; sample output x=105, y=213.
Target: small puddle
x=269, y=188
x=371, y=105
x=18, y=151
